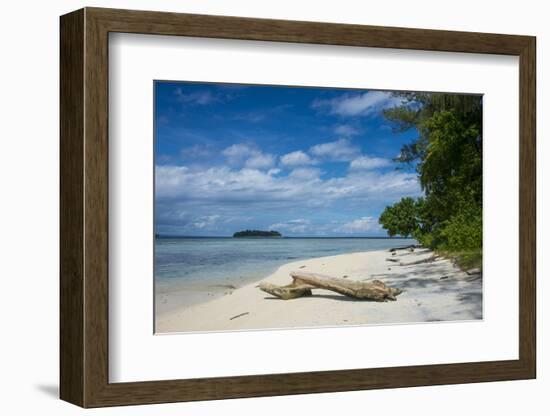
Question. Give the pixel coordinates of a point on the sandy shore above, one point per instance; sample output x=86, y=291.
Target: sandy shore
x=435, y=291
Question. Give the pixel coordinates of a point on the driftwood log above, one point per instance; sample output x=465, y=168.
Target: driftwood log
x=303, y=283
x=409, y=247
x=287, y=292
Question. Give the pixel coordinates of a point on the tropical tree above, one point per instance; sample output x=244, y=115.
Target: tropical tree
x=447, y=156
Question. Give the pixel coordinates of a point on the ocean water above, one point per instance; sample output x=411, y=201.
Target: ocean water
x=182, y=263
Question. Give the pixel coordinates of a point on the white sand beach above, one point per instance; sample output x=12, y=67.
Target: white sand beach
x=433, y=291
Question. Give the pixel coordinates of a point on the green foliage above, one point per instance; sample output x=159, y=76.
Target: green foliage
x=448, y=159
x=401, y=218
x=464, y=259
x=463, y=231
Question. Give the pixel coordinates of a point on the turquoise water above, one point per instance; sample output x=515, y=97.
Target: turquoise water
x=181, y=262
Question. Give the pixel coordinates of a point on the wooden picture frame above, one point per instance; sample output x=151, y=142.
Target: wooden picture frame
x=84, y=207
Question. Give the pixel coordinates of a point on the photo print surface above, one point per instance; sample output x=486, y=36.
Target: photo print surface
x=295, y=207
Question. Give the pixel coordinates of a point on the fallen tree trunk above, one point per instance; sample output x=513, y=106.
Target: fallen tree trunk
x=287, y=292
x=303, y=283
x=373, y=290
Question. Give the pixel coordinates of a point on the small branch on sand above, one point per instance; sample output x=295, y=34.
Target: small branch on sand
x=239, y=315
x=428, y=260
x=303, y=283
x=473, y=274
x=410, y=248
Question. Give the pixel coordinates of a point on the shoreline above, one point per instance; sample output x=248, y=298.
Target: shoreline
x=433, y=291
x=187, y=275
x=195, y=293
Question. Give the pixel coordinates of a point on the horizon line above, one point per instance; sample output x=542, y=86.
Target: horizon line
x=157, y=235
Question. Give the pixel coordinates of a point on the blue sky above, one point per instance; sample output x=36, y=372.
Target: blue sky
x=302, y=161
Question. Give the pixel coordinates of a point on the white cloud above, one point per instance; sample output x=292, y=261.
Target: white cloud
x=298, y=226
x=189, y=198
x=372, y=185
x=305, y=173
x=303, y=186
x=217, y=183
x=260, y=160
x=359, y=226
x=252, y=158
x=346, y=130
x=196, y=151
x=205, y=222
x=342, y=150
x=196, y=97
x=297, y=158
x=367, y=163
x=361, y=104
x=237, y=151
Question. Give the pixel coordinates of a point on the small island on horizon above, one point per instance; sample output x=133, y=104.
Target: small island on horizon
x=256, y=233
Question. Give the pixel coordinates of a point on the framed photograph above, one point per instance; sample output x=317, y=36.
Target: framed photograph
x=255, y=207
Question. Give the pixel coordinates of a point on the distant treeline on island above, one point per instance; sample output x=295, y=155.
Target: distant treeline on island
x=257, y=233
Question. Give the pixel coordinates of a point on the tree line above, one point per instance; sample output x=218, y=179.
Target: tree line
x=447, y=156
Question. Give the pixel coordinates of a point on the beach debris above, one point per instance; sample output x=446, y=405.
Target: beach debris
x=345, y=276
x=411, y=252
x=394, y=260
x=303, y=283
x=443, y=277
x=430, y=259
x=473, y=277
x=409, y=247
x=302, y=267
x=239, y=315
x=287, y=292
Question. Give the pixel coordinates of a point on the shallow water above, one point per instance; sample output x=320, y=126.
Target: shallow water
x=182, y=263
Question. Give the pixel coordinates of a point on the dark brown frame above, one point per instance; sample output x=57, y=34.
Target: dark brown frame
x=84, y=207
